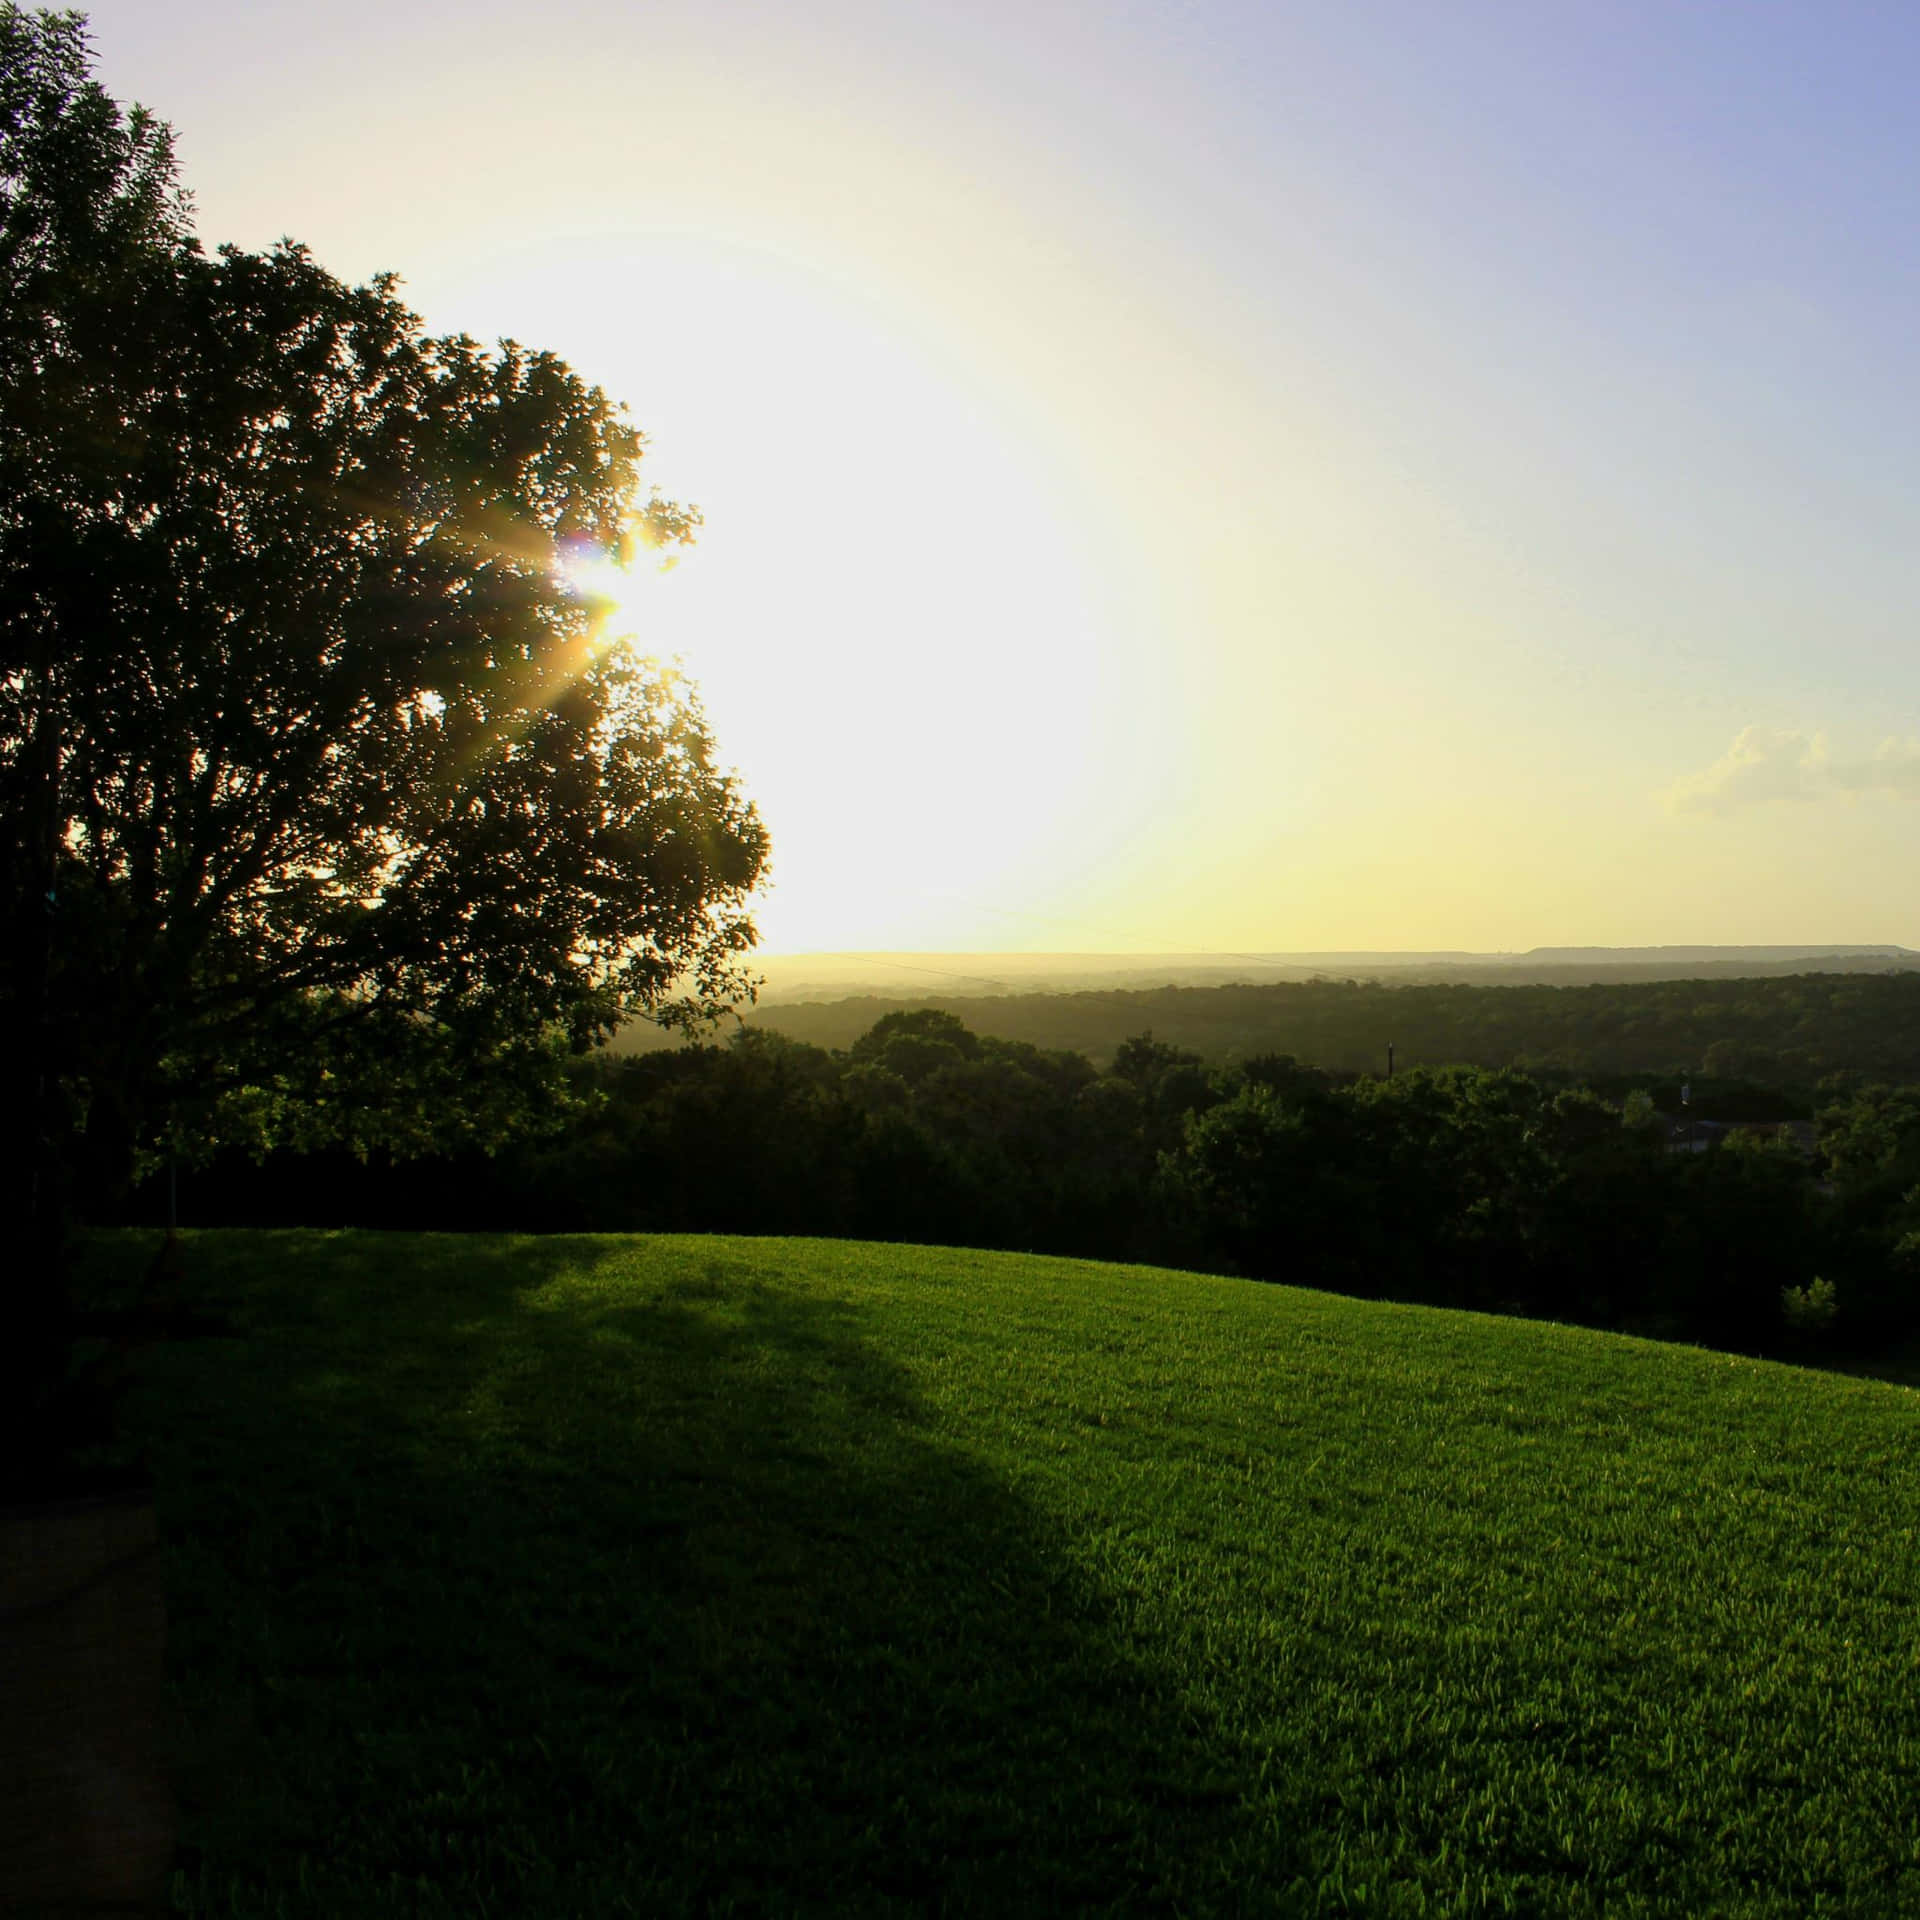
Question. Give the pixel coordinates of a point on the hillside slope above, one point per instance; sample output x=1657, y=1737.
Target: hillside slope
x=597, y=1576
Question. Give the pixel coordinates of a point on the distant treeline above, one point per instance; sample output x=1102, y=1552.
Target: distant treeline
x=790, y=980
x=1458, y=1186
x=1790, y=1032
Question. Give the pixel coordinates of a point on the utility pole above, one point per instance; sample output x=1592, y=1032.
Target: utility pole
x=1389, y=1059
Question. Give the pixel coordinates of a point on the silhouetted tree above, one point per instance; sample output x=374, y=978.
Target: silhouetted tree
x=321, y=782
x=313, y=728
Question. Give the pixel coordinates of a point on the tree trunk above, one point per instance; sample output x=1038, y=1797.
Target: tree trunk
x=107, y=1151
x=39, y=1303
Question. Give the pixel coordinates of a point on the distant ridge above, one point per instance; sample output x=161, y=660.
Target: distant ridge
x=1627, y=956
x=828, y=976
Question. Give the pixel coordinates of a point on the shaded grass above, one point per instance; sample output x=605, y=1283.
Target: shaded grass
x=601, y=1576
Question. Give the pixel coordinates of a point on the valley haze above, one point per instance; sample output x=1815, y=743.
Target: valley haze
x=791, y=977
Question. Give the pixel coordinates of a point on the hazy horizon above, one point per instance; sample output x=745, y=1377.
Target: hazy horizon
x=966, y=974
x=1210, y=477
x=1677, y=949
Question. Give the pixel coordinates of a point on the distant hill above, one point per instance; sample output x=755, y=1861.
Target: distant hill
x=835, y=976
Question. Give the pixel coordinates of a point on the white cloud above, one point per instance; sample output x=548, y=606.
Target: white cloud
x=1771, y=763
x=1895, y=768
x=1762, y=764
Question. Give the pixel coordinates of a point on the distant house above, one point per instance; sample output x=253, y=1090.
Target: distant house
x=1684, y=1135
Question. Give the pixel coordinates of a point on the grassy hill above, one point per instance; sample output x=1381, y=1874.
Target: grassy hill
x=611, y=1576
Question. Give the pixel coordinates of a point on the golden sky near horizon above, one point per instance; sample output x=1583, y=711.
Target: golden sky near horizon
x=1203, y=477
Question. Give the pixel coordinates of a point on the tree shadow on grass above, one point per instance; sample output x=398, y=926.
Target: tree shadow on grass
x=527, y=1587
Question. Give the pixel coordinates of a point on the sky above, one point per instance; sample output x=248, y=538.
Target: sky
x=1197, y=477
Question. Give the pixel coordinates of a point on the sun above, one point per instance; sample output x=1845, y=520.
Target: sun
x=603, y=584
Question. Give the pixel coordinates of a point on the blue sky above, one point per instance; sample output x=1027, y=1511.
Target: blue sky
x=1199, y=476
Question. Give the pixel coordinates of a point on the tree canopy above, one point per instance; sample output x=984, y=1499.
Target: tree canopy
x=321, y=775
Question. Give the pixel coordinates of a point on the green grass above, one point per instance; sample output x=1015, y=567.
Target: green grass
x=646, y=1576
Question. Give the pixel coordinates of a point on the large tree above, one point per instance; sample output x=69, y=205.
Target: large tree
x=319, y=772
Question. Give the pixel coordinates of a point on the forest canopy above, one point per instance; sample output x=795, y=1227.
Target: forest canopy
x=1452, y=1186
x=1789, y=1033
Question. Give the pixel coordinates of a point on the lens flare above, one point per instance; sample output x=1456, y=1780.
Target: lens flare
x=593, y=576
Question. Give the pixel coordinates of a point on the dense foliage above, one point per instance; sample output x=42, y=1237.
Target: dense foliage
x=1459, y=1186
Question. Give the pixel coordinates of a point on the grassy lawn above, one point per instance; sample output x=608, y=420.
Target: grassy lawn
x=647, y=1576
